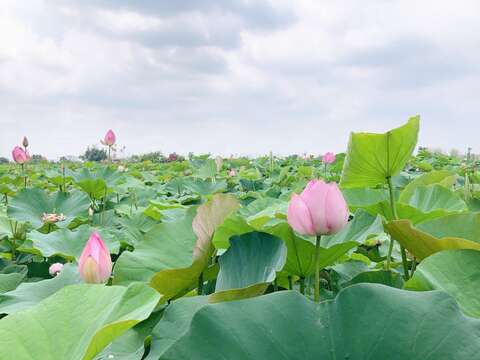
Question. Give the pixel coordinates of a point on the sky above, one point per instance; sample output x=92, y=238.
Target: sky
x=236, y=76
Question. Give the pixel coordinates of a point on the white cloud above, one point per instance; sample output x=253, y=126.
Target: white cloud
x=235, y=76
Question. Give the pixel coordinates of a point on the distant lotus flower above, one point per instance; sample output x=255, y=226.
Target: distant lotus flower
x=319, y=210
x=95, y=264
x=25, y=142
x=329, y=158
x=20, y=156
x=54, y=269
x=110, y=138
x=232, y=173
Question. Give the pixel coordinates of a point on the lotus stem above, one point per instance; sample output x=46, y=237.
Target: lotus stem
x=316, y=294
x=395, y=216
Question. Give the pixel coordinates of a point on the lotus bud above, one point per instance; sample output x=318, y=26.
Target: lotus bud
x=25, y=142
x=54, y=269
x=19, y=155
x=232, y=173
x=95, y=264
x=319, y=210
x=110, y=138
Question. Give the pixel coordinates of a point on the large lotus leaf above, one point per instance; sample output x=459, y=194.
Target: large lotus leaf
x=422, y=244
x=77, y=322
x=362, y=227
x=30, y=204
x=165, y=246
x=389, y=278
x=206, y=169
x=429, y=202
x=31, y=293
x=260, y=211
x=96, y=184
x=372, y=158
x=466, y=226
x=209, y=217
x=442, y=177
x=456, y=272
x=233, y=225
x=364, y=197
x=174, y=324
x=67, y=243
x=366, y=321
x=205, y=187
x=301, y=252
x=131, y=344
x=252, y=258
x=173, y=282
x=11, y=276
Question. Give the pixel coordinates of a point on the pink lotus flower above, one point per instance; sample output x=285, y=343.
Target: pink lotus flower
x=328, y=158
x=110, y=138
x=19, y=155
x=54, y=269
x=319, y=210
x=232, y=173
x=95, y=264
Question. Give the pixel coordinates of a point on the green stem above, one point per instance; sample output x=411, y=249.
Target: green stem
x=103, y=205
x=13, y=239
x=302, y=285
x=24, y=176
x=395, y=216
x=290, y=283
x=63, y=174
x=316, y=294
x=325, y=171
x=414, y=266
x=200, y=284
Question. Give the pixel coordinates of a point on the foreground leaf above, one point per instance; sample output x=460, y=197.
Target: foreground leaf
x=422, y=244
x=86, y=319
x=456, y=272
x=366, y=321
x=175, y=282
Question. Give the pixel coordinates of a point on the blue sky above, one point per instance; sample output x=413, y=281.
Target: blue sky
x=235, y=76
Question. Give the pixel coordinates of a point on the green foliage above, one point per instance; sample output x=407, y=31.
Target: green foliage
x=94, y=154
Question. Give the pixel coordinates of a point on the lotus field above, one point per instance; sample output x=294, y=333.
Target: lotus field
x=369, y=254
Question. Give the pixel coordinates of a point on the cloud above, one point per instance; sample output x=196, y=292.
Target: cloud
x=235, y=76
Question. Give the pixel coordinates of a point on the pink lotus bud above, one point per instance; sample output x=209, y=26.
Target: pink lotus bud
x=54, y=269
x=319, y=210
x=232, y=173
x=95, y=264
x=329, y=158
x=110, y=138
x=19, y=155
x=25, y=142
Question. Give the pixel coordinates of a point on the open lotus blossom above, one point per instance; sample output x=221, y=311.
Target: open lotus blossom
x=19, y=155
x=319, y=210
x=95, y=264
x=328, y=158
x=109, y=139
x=52, y=218
x=54, y=269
